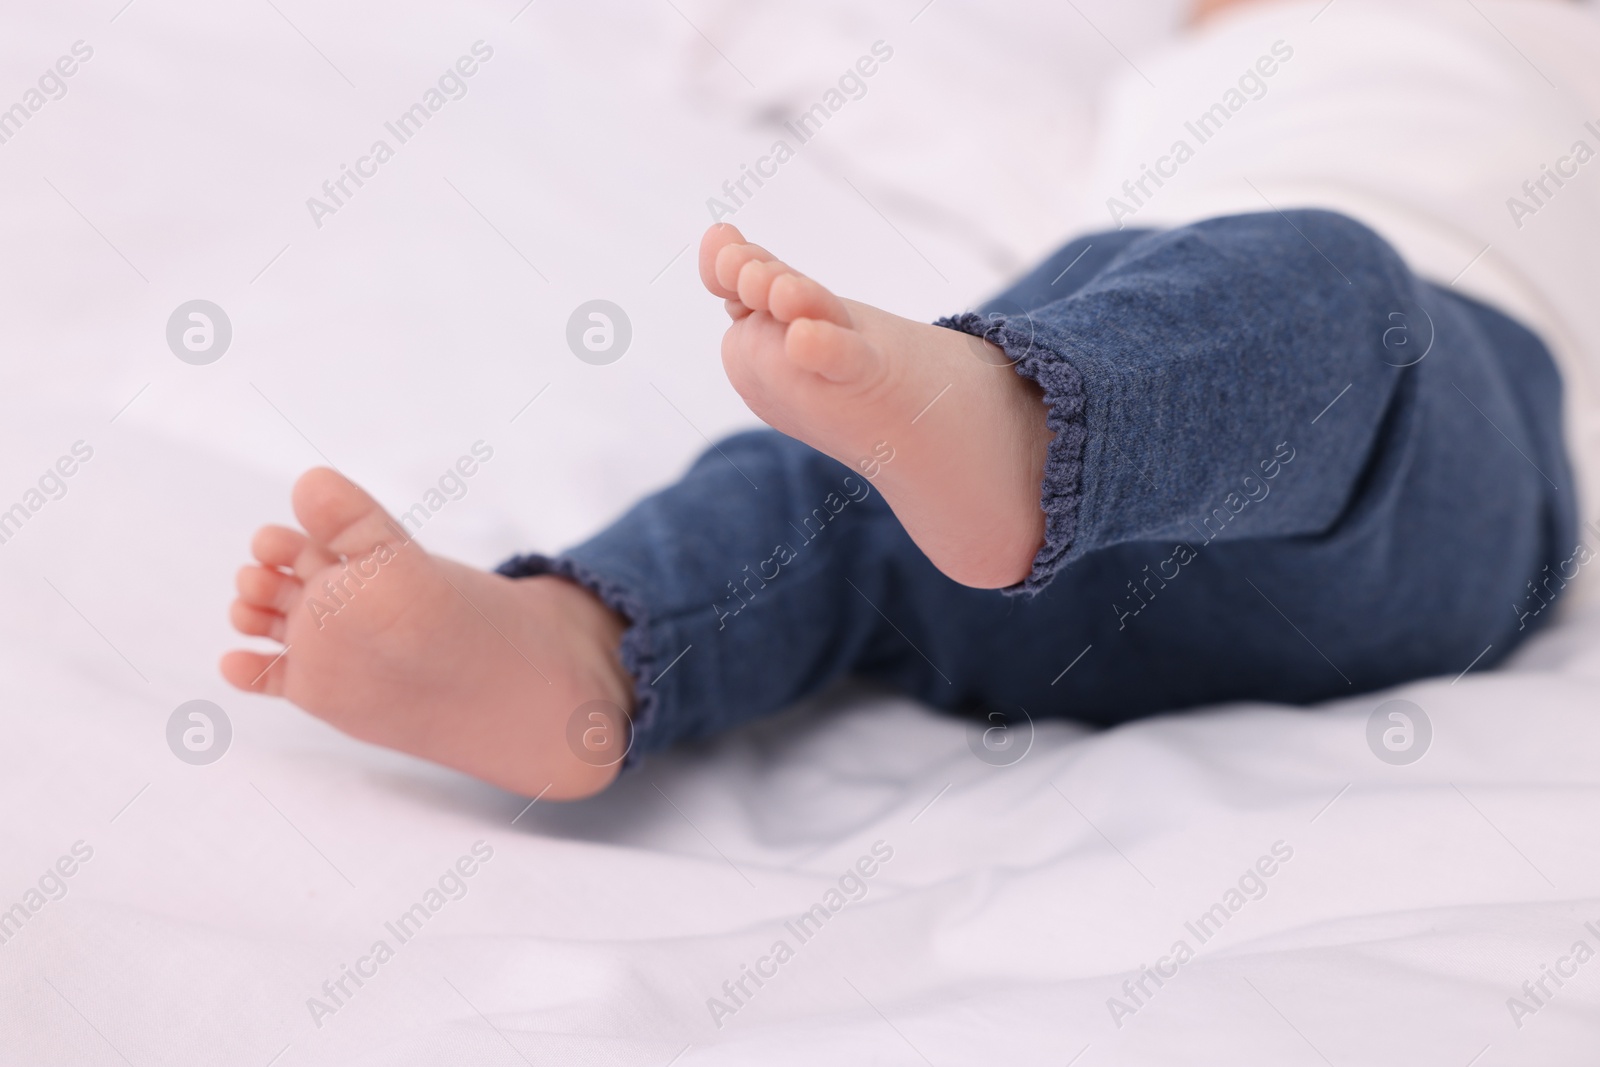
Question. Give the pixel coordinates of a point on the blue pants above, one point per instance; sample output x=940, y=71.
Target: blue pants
x=1284, y=469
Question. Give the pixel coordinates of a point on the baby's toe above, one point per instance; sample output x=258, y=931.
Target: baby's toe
x=835, y=352
x=793, y=296
x=731, y=261
x=755, y=282
x=717, y=238
x=279, y=546
x=340, y=516
x=254, y=672
x=269, y=589
x=254, y=621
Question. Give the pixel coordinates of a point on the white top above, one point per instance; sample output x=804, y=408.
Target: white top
x=1421, y=118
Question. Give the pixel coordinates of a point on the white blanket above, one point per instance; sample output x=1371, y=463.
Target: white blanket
x=1009, y=913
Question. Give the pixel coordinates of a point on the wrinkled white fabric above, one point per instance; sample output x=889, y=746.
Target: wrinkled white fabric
x=1018, y=901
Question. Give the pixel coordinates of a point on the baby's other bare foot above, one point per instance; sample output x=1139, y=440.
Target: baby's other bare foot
x=967, y=433
x=391, y=645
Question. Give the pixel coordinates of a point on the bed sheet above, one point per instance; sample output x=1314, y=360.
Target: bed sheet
x=1248, y=884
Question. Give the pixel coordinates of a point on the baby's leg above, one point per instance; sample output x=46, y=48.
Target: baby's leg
x=1181, y=367
x=1281, y=468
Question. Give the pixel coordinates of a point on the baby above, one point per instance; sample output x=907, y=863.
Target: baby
x=1231, y=453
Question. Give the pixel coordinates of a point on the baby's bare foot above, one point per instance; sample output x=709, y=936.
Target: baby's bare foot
x=403, y=649
x=968, y=432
